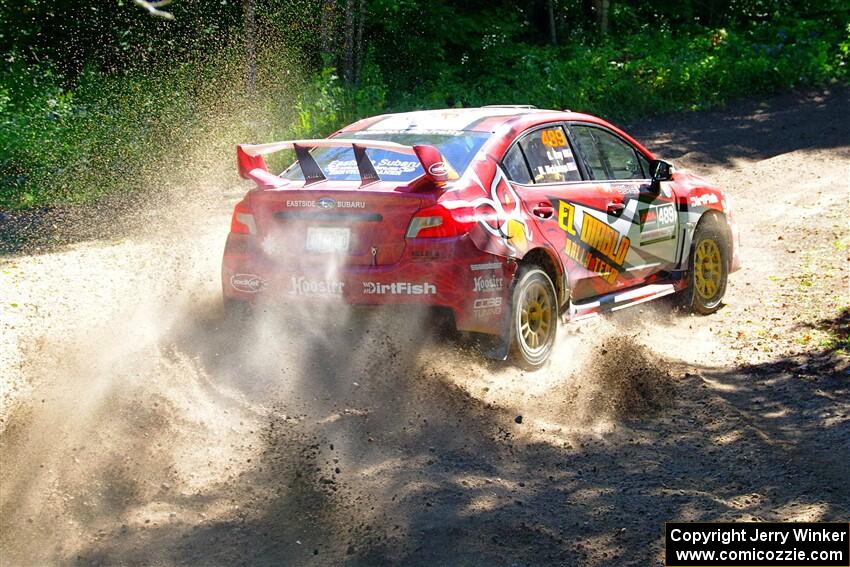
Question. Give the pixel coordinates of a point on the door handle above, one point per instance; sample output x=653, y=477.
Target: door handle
x=615, y=208
x=543, y=210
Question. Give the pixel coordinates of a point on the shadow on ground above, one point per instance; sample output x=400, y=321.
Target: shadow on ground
x=429, y=475
x=752, y=130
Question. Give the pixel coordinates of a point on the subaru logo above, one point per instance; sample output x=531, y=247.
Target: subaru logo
x=326, y=203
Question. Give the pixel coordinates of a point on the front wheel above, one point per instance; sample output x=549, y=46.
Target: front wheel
x=709, y=269
x=534, y=318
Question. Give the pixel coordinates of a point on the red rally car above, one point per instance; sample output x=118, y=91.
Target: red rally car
x=513, y=218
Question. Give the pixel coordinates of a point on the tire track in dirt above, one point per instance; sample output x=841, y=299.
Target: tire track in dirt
x=140, y=426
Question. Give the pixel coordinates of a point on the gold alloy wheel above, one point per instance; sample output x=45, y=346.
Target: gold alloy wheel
x=707, y=268
x=535, y=317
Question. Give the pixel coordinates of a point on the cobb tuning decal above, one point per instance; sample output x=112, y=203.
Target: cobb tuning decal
x=591, y=242
x=487, y=306
x=506, y=220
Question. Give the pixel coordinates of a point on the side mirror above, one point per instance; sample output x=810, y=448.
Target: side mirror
x=660, y=171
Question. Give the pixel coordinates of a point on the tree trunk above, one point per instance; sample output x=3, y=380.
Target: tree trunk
x=550, y=9
x=602, y=9
x=348, y=48
x=328, y=36
x=358, y=55
x=250, y=38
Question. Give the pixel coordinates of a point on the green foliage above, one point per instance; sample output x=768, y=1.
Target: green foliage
x=106, y=102
x=647, y=72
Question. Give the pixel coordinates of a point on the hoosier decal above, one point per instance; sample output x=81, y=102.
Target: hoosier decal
x=487, y=283
x=308, y=287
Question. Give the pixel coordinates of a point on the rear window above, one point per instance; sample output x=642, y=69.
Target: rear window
x=338, y=164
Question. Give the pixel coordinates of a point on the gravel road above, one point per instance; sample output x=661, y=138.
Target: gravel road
x=139, y=427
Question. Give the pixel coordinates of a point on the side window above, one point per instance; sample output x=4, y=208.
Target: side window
x=549, y=156
x=586, y=147
x=644, y=164
x=620, y=158
x=515, y=166
x=607, y=156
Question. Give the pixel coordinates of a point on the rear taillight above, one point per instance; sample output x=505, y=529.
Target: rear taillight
x=243, y=220
x=439, y=222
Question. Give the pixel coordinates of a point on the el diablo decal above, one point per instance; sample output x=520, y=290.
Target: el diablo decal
x=596, y=246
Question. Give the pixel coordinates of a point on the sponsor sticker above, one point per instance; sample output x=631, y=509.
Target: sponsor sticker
x=487, y=283
x=249, y=283
x=422, y=131
x=553, y=138
x=325, y=203
x=666, y=214
x=315, y=288
x=395, y=167
x=596, y=246
x=487, y=306
x=438, y=169
x=488, y=266
x=385, y=166
x=399, y=288
x=703, y=200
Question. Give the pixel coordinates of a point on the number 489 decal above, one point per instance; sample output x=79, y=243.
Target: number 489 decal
x=666, y=214
x=553, y=138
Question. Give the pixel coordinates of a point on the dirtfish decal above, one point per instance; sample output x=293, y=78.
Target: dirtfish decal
x=595, y=245
x=704, y=199
x=398, y=288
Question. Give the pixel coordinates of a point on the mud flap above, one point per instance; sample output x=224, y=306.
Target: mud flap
x=497, y=349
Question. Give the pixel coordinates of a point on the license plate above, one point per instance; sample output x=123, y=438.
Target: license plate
x=326, y=239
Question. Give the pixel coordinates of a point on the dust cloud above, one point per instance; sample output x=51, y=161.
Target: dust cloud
x=142, y=407
x=140, y=422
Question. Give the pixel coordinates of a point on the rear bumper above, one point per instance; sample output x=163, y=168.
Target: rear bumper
x=444, y=272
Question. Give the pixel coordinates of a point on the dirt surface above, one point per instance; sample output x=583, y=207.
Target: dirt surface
x=141, y=427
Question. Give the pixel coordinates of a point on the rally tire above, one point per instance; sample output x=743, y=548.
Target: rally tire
x=709, y=269
x=534, y=318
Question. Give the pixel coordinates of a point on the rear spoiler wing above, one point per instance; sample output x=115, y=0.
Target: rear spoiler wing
x=252, y=165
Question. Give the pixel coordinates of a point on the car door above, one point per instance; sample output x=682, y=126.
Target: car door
x=564, y=204
x=645, y=216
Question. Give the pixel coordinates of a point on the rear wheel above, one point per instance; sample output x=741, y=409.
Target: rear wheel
x=709, y=269
x=534, y=318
